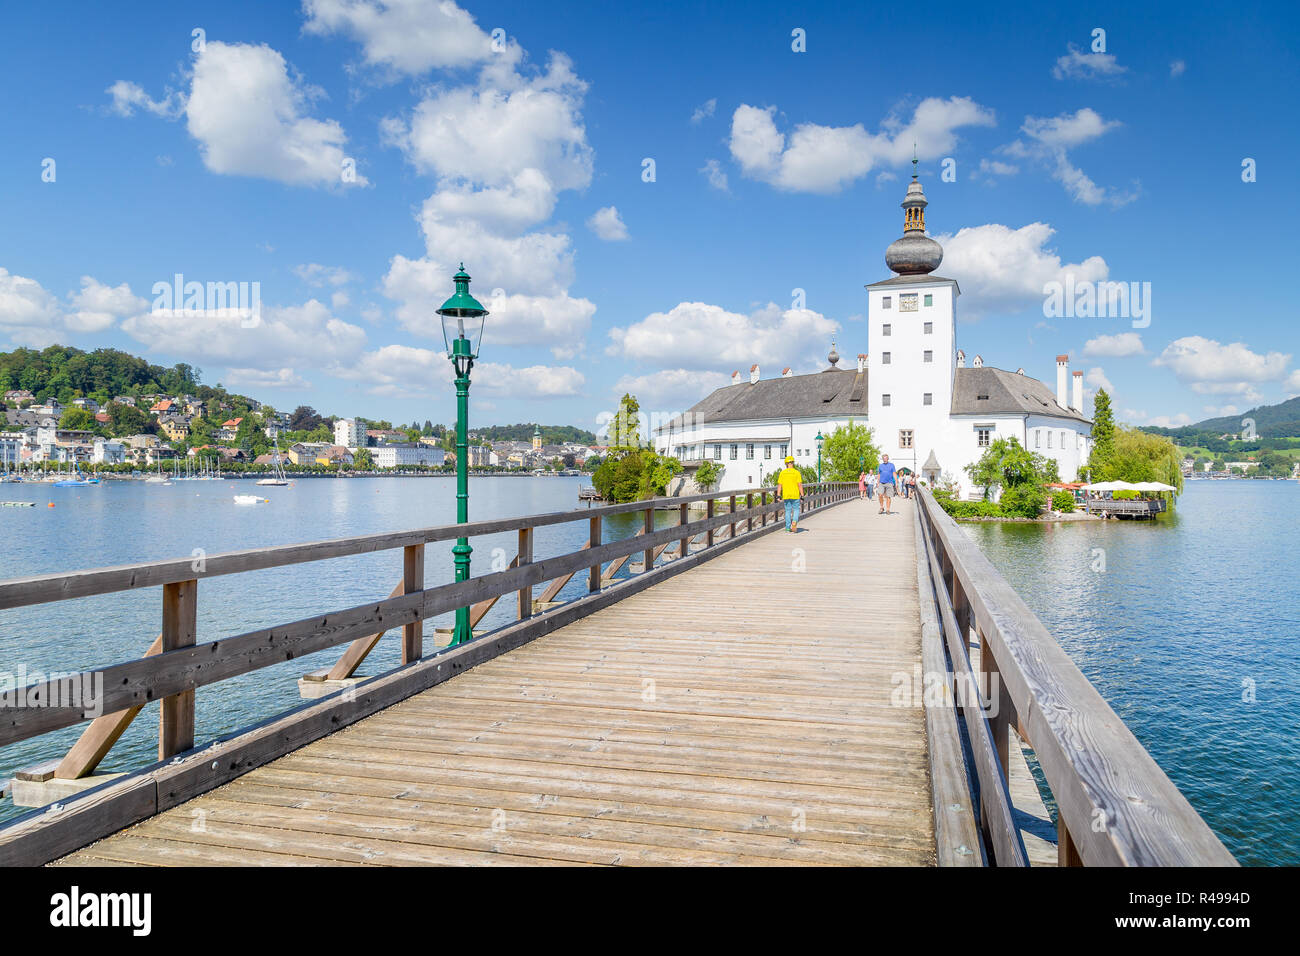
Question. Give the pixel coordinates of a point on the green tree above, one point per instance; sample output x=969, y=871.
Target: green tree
x=362, y=460
x=625, y=427
x=1103, y=434
x=76, y=418
x=708, y=474
x=846, y=450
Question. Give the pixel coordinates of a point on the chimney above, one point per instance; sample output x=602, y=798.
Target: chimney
x=978, y=363
x=786, y=373
x=753, y=374
x=1062, y=373
x=961, y=358
x=862, y=361
x=1078, y=392
x=735, y=377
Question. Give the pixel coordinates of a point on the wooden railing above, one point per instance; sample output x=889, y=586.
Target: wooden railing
x=1135, y=506
x=175, y=665
x=1115, y=806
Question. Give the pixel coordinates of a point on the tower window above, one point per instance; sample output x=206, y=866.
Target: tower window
x=884, y=399
x=886, y=329
x=885, y=303
x=905, y=438
x=907, y=303
x=929, y=300
x=928, y=328
x=884, y=358
x=927, y=398
x=927, y=356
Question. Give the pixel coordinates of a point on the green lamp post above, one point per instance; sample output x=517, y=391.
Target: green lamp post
x=820, y=439
x=462, y=331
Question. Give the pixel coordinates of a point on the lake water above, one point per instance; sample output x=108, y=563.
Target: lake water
x=1189, y=617
x=1189, y=613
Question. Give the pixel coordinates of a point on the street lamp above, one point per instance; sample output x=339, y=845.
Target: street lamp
x=462, y=331
x=820, y=439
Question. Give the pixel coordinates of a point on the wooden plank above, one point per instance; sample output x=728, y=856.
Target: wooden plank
x=412, y=583
x=24, y=842
x=98, y=739
x=179, y=629
x=357, y=651
x=479, y=610
x=594, y=541
x=555, y=587
x=39, y=589
x=1095, y=767
x=956, y=836
x=648, y=556
x=524, y=609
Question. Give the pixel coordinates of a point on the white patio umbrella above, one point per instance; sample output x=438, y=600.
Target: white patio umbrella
x=1111, y=486
x=1153, y=486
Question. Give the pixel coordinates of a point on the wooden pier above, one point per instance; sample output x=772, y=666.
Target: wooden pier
x=748, y=697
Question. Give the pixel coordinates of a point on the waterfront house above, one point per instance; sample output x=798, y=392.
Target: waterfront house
x=927, y=410
x=229, y=430
x=108, y=452
x=175, y=427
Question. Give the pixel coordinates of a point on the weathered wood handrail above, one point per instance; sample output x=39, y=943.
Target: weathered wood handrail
x=1115, y=806
x=182, y=665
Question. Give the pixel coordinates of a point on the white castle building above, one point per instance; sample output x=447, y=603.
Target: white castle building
x=927, y=409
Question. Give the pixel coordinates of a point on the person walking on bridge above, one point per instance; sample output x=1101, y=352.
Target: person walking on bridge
x=862, y=485
x=790, y=481
x=886, y=487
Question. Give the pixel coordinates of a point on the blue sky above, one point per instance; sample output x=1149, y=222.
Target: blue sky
x=222, y=157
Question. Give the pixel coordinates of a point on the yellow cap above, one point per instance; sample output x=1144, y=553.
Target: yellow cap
x=789, y=457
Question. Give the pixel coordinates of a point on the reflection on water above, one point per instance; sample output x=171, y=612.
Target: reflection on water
x=1191, y=617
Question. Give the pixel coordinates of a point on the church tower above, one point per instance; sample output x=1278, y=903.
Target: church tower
x=911, y=329
x=537, y=438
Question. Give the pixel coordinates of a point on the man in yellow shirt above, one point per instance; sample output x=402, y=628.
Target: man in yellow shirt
x=790, y=481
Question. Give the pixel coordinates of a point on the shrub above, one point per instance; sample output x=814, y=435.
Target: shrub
x=970, y=509
x=1063, y=501
x=1123, y=495
x=1023, y=501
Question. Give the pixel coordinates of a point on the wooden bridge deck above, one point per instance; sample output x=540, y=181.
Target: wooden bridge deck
x=738, y=713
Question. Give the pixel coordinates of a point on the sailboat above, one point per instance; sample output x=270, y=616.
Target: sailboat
x=279, y=478
x=159, y=478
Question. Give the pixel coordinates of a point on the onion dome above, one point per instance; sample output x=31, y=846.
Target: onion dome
x=915, y=253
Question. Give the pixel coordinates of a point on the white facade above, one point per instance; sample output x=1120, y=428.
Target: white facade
x=349, y=433
x=108, y=452
x=390, y=456
x=747, y=450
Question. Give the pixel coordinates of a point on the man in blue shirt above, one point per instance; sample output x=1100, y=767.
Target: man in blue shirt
x=886, y=488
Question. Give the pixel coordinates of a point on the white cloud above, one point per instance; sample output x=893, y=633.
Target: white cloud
x=510, y=208
x=999, y=267
x=1217, y=411
x=670, y=389
x=704, y=111
x=1170, y=421
x=315, y=274
x=1292, y=384
x=1115, y=346
x=298, y=335
x=32, y=316
x=716, y=176
x=607, y=224
x=490, y=133
x=128, y=97
x=1097, y=379
x=403, y=36
x=1177, y=68
x=404, y=371
x=98, y=307
x=1049, y=139
x=1077, y=65
x=701, y=336
x=340, y=300
x=1211, y=368
x=994, y=167
x=248, y=116
x=252, y=378
x=824, y=159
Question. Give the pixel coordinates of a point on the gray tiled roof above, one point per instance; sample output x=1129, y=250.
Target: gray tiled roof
x=834, y=392
x=1009, y=393
x=912, y=280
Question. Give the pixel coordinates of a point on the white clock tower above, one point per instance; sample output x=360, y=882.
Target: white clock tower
x=911, y=328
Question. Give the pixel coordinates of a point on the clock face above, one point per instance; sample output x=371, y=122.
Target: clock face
x=907, y=303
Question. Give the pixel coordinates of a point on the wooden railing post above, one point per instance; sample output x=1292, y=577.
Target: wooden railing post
x=997, y=700
x=525, y=557
x=412, y=581
x=179, y=628
x=762, y=519
x=708, y=513
x=731, y=510
x=1067, y=854
x=593, y=575
x=683, y=521
x=749, y=511
x=649, y=529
